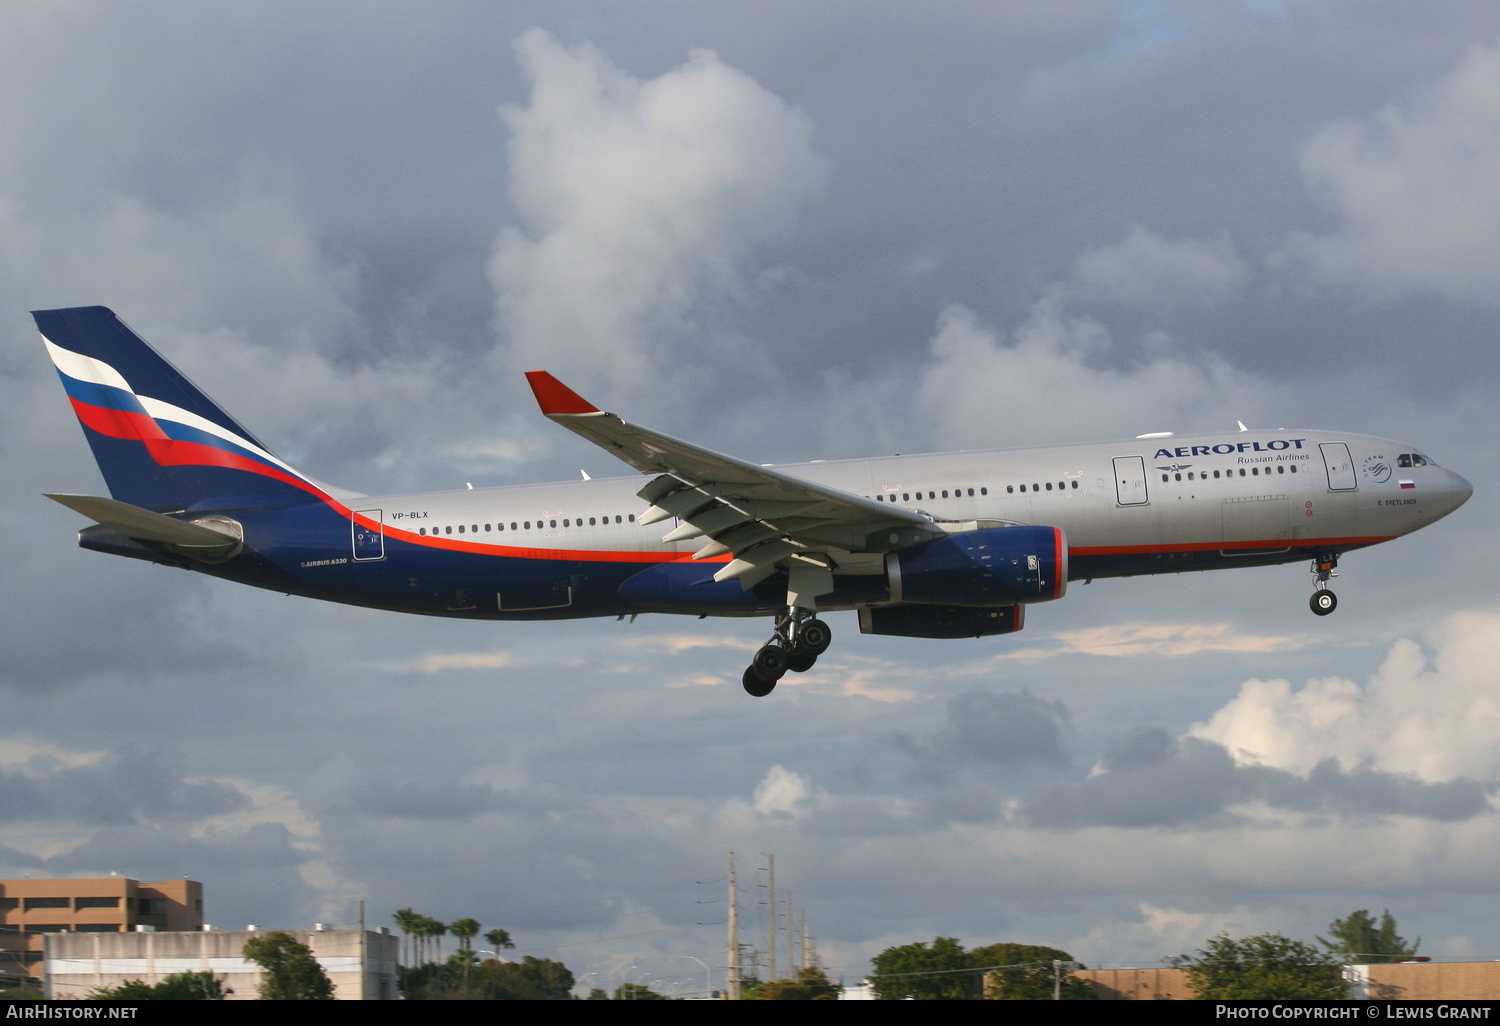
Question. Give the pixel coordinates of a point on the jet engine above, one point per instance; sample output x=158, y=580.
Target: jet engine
x=941, y=621
x=996, y=566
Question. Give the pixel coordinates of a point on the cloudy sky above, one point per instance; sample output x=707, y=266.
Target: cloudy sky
x=788, y=231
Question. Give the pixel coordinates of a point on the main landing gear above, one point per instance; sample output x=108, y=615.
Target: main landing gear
x=799, y=639
x=1324, y=601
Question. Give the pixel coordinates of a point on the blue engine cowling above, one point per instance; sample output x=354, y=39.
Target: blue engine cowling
x=996, y=566
x=941, y=621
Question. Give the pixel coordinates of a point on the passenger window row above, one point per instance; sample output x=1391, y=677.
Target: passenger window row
x=1281, y=468
x=1061, y=486
x=958, y=493
x=527, y=525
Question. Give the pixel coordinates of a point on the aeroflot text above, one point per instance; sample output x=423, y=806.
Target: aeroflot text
x=1371, y=1011
x=1225, y=448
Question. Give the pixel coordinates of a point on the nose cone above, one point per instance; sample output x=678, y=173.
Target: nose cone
x=1459, y=490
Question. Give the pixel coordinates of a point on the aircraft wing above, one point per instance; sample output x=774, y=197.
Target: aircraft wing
x=759, y=515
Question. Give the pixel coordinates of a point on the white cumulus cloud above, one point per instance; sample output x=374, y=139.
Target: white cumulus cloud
x=642, y=204
x=1414, y=189
x=1041, y=383
x=1436, y=718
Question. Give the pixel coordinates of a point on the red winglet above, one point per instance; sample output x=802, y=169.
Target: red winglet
x=554, y=397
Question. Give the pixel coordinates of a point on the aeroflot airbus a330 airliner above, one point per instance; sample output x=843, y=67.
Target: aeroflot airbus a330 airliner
x=939, y=546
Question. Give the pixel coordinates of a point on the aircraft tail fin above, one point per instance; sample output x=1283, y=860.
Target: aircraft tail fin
x=160, y=442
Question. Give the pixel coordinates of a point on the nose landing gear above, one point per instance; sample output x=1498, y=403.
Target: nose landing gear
x=1324, y=601
x=799, y=639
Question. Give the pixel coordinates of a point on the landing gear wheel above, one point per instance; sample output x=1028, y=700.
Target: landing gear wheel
x=755, y=686
x=770, y=663
x=813, y=637
x=799, y=663
x=1324, y=569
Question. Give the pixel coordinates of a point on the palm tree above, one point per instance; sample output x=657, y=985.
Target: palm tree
x=419, y=934
x=464, y=930
x=499, y=940
x=427, y=929
x=405, y=919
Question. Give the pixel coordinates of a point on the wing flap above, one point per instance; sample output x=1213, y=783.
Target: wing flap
x=760, y=515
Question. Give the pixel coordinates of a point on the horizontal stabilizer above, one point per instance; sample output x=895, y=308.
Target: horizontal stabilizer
x=144, y=525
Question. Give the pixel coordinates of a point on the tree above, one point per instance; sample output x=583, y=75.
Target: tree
x=465, y=930
x=943, y=972
x=1029, y=972
x=499, y=939
x=426, y=929
x=200, y=986
x=406, y=920
x=292, y=974
x=1358, y=938
x=1268, y=967
x=531, y=979
x=811, y=984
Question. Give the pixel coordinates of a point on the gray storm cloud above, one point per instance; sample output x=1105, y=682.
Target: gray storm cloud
x=1150, y=779
x=986, y=731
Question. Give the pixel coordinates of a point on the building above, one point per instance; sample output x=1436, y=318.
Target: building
x=30, y=909
x=1396, y=981
x=1139, y=984
x=361, y=964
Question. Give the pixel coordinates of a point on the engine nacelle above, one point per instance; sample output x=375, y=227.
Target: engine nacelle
x=941, y=621
x=997, y=566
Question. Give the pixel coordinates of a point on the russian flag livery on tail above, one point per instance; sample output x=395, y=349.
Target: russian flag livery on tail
x=946, y=545
x=160, y=442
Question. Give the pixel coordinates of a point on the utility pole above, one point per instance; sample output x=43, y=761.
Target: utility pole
x=791, y=946
x=732, y=982
x=364, y=956
x=771, y=931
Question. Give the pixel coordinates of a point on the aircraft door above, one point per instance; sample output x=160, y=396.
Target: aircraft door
x=1340, y=467
x=538, y=593
x=368, y=533
x=1130, y=480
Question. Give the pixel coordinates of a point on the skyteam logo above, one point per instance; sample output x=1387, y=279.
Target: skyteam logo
x=1377, y=469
